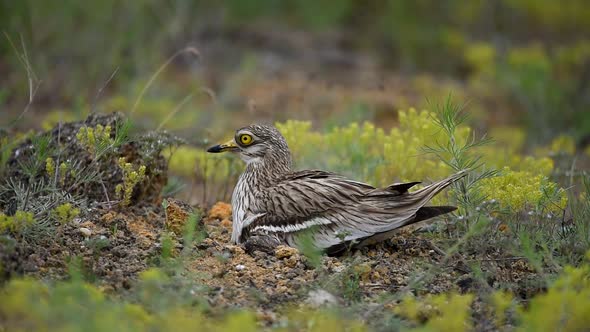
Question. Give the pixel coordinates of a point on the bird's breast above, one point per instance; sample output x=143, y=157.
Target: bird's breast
x=242, y=201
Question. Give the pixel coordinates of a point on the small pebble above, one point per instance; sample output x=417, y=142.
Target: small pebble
x=240, y=267
x=85, y=231
x=320, y=297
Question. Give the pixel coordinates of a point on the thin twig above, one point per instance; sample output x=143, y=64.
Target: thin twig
x=106, y=194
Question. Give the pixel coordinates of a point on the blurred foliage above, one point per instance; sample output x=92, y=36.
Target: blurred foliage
x=542, y=63
x=444, y=312
x=564, y=307
x=154, y=110
x=77, y=306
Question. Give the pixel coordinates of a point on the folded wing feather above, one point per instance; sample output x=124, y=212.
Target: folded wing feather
x=338, y=209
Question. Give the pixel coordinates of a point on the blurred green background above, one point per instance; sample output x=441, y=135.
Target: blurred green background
x=517, y=62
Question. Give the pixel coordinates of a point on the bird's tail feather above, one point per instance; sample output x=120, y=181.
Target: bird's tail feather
x=409, y=203
x=422, y=196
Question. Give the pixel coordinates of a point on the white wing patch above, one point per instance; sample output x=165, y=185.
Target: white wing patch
x=294, y=227
x=251, y=218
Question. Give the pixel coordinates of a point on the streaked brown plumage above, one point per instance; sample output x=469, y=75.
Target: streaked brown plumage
x=273, y=200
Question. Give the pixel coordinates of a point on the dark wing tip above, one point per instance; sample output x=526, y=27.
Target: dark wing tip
x=427, y=212
x=402, y=187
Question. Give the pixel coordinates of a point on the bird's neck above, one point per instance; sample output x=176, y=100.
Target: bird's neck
x=267, y=170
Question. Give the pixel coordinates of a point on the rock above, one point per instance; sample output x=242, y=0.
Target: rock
x=85, y=231
x=87, y=224
x=319, y=297
x=285, y=252
x=240, y=267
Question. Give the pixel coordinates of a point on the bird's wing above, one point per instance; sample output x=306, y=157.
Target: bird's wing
x=338, y=209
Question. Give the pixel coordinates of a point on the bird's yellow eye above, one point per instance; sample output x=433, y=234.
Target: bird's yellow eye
x=246, y=139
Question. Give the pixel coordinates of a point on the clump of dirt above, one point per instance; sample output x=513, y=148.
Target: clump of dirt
x=92, y=176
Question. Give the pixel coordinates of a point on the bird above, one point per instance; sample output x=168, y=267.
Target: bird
x=272, y=201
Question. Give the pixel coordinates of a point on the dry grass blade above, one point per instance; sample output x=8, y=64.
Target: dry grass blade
x=174, y=111
x=99, y=93
x=188, y=50
x=34, y=82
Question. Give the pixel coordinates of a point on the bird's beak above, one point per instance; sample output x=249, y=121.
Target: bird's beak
x=227, y=146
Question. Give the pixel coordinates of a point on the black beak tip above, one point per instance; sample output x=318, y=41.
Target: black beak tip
x=214, y=149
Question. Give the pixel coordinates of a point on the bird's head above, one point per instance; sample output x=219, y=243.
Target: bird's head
x=257, y=143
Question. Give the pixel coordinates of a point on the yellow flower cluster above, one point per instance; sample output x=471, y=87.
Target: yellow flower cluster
x=532, y=57
x=63, y=172
x=521, y=190
x=63, y=169
x=563, y=144
x=481, y=57
x=91, y=138
x=369, y=153
x=505, y=151
x=16, y=223
x=131, y=177
x=50, y=166
x=65, y=213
